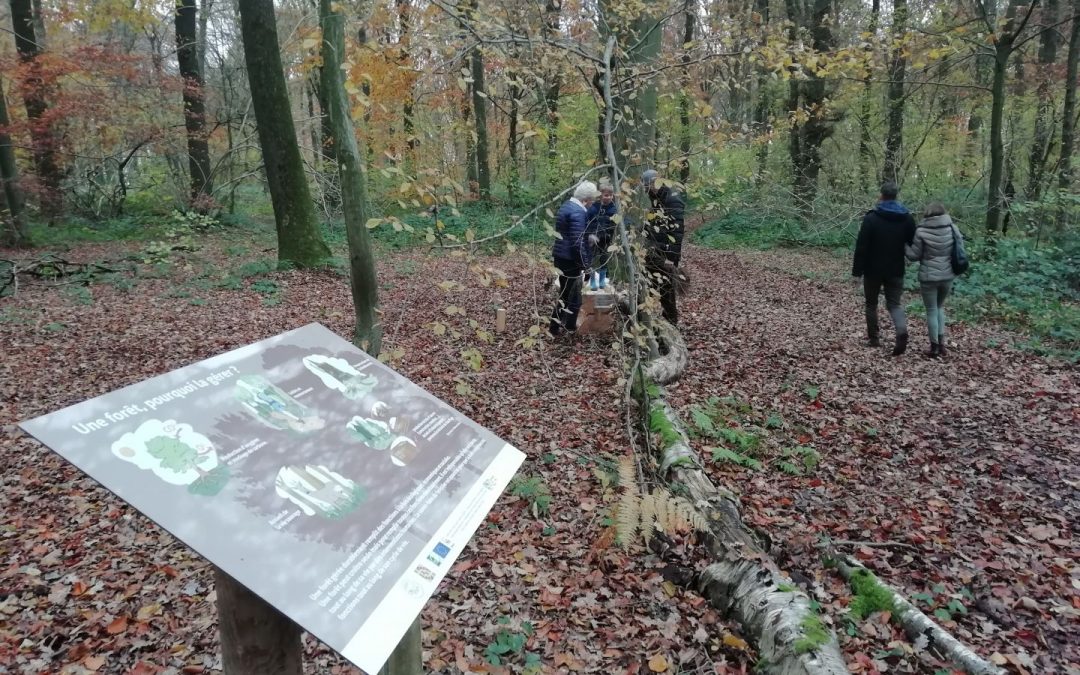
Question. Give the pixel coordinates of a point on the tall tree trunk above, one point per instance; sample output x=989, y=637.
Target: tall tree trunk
x=762, y=107
x=368, y=331
x=14, y=234
x=995, y=195
x=205, y=7
x=479, y=104
x=996, y=198
x=470, y=141
x=405, y=62
x=299, y=240
x=894, y=137
x=514, y=89
x=1040, y=145
x=808, y=136
x=187, y=55
x=689, y=14
x=552, y=10
x=866, y=157
x=35, y=93
x=256, y=639
x=1068, y=112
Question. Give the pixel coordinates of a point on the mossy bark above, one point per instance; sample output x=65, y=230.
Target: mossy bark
x=300, y=241
x=744, y=582
x=368, y=330
x=917, y=625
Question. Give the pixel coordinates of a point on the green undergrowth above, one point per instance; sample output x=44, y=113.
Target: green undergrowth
x=761, y=231
x=814, y=634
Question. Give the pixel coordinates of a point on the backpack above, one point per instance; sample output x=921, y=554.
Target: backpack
x=959, y=259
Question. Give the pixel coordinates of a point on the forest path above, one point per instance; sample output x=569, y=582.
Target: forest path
x=970, y=461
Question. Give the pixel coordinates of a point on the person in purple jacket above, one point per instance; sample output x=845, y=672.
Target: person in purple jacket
x=572, y=255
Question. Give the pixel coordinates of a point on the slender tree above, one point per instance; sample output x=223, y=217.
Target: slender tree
x=479, y=110
x=1041, y=145
x=1068, y=113
x=299, y=240
x=14, y=232
x=894, y=136
x=187, y=54
x=552, y=11
x=689, y=14
x=368, y=331
x=1005, y=41
x=35, y=93
x=866, y=155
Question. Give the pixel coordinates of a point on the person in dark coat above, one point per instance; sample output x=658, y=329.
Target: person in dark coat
x=879, y=260
x=601, y=232
x=572, y=256
x=664, y=229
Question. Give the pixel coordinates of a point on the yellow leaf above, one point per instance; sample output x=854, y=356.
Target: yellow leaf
x=372, y=223
x=470, y=236
x=735, y=641
x=658, y=663
x=148, y=611
x=670, y=589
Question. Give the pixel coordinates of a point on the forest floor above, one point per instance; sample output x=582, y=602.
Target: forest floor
x=955, y=479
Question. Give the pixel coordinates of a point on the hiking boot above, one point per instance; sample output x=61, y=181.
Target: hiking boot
x=935, y=351
x=941, y=344
x=873, y=342
x=901, y=345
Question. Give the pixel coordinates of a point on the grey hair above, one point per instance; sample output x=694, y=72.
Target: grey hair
x=586, y=191
x=934, y=209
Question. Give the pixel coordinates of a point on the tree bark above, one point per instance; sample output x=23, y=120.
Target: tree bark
x=14, y=233
x=35, y=93
x=689, y=14
x=299, y=240
x=512, y=134
x=762, y=108
x=552, y=10
x=1041, y=143
x=187, y=54
x=865, y=153
x=405, y=62
x=368, y=330
x=479, y=105
x=256, y=639
x=1068, y=113
x=894, y=137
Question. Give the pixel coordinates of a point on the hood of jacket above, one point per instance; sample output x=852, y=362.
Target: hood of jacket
x=891, y=210
x=934, y=222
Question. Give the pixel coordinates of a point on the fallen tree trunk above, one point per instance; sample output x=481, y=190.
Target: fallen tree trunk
x=920, y=627
x=744, y=583
x=673, y=358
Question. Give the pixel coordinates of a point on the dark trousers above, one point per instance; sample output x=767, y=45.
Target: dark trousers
x=564, y=315
x=894, y=290
x=661, y=269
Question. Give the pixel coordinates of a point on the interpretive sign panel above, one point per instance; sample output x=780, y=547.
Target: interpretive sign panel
x=326, y=483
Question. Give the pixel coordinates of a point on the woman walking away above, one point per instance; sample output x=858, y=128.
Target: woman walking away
x=932, y=248
x=572, y=256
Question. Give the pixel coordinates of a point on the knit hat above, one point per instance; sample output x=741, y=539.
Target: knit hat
x=648, y=177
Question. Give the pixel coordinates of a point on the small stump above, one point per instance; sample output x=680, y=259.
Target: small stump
x=597, y=310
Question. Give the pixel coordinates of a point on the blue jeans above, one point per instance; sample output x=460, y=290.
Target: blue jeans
x=933, y=297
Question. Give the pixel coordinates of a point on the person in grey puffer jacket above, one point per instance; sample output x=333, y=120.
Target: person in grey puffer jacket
x=932, y=248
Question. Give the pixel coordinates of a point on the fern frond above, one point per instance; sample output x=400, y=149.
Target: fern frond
x=627, y=517
x=648, y=516
x=627, y=473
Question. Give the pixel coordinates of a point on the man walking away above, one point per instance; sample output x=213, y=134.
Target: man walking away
x=879, y=260
x=664, y=229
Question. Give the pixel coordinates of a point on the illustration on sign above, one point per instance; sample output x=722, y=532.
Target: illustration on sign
x=329, y=470
x=176, y=454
